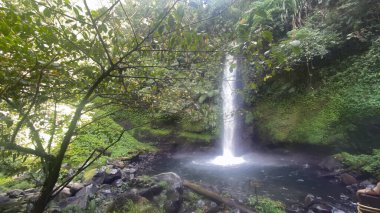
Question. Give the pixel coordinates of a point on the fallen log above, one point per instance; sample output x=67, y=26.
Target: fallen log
x=334, y=174
x=215, y=197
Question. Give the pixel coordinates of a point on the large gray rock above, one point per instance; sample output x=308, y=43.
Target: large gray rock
x=111, y=175
x=65, y=193
x=348, y=179
x=98, y=178
x=4, y=199
x=173, y=192
x=309, y=199
x=81, y=198
x=15, y=193
x=174, y=181
x=75, y=187
x=173, y=202
x=321, y=208
x=330, y=164
x=150, y=192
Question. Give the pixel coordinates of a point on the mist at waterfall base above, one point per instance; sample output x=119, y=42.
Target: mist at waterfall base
x=230, y=118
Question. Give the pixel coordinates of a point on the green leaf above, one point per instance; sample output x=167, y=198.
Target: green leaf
x=47, y=12
x=4, y=29
x=267, y=35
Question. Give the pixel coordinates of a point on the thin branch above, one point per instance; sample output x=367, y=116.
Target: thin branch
x=98, y=33
x=54, y=127
x=107, y=11
x=181, y=51
x=25, y=150
x=34, y=101
x=100, y=117
x=89, y=109
x=148, y=35
x=130, y=22
x=147, y=77
x=77, y=46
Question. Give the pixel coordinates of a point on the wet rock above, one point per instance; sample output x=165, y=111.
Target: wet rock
x=309, y=199
x=173, y=204
x=15, y=193
x=348, y=179
x=352, y=188
x=151, y=192
x=200, y=204
x=330, y=164
x=116, y=164
x=98, y=178
x=13, y=206
x=65, y=193
x=128, y=173
x=321, y=208
x=75, y=187
x=118, y=183
x=31, y=190
x=335, y=210
x=296, y=208
x=343, y=197
x=4, y=199
x=31, y=197
x=366, y=184
x=83, y=196
x=111, y=175
x=174, y=181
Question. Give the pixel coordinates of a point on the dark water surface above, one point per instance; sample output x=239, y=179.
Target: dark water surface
x=286, y=178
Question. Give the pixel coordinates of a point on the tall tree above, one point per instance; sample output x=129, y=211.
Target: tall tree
x=54, y=53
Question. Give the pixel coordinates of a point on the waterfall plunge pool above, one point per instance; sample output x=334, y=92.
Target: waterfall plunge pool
x=286, y=178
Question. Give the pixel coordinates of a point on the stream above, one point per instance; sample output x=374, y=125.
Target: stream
x=288, y=178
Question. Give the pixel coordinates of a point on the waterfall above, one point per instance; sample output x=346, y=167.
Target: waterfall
x=229, y=96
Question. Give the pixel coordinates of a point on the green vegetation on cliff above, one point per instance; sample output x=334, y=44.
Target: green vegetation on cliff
x=349, y=91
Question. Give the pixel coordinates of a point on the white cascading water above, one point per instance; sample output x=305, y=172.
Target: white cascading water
x=229, y=95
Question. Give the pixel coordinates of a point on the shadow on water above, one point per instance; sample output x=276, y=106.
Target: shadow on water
x=287, y=178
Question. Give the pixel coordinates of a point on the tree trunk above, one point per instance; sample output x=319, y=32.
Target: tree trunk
x=47, y=188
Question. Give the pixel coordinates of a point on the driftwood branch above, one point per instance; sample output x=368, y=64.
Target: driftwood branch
x=215, y=197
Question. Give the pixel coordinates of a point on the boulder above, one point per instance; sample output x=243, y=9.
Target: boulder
x=118, y=183
x=65, y=193
x=173, y=190
x=4, y=199
x=15, y=193
x=309, y=199
x=149, y=193
x=348, y=179
x=330, y=164
x=295, y=208
x=321, y=208
x=98, y=178
x=82, y=197
x=173, y=202
x=174, y=181
x=366, y=184
x=75, y=187
x=116, y=164
x=111, y=175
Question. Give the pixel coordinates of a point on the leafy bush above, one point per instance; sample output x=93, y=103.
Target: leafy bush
x=369, y=164
x=99, y=135
x=266, y=205
x=7, y=182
